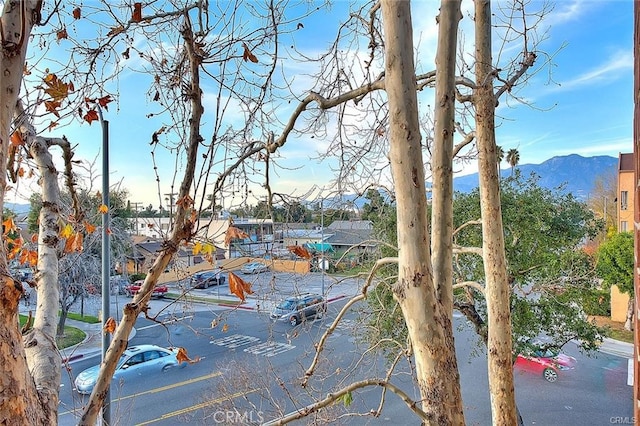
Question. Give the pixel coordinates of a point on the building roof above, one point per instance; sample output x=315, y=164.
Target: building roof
x=351, y=224
x=351, y=237
x=625, y=162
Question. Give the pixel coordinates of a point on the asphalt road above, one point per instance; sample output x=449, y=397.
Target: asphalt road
x=250, y=368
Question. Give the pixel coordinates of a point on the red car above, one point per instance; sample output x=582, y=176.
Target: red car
x=134, y=288
x=548, y=362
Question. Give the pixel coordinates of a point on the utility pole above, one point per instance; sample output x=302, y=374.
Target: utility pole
x=133, y=246
x=135, y=208
x=169, y=199
x=322, y=242
x=106, y=265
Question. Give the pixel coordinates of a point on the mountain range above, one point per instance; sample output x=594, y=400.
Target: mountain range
x=578, y=174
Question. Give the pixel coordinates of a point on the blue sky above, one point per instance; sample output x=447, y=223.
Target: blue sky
x=579, y=104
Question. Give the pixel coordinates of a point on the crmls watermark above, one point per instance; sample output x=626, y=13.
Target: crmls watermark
x=230, y=417
x=620, y=420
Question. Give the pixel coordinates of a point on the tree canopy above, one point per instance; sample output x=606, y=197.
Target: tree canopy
x=615, y=262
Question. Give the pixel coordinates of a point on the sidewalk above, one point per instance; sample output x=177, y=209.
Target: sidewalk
x=616, y=347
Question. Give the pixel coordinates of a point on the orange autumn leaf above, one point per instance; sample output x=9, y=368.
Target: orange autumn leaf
x=89, y=227
x=74, y=243
x=52, y=107
x=182, y=356
x=90, y=116
x=57, y=89
x=62, y=34
x=16, y=139
x=76, y=13
x=21, y=172
x=34, y=238
x=8, y=225
x=238, y=286
x=300, y=251
x=247, y=55
x=103, y=209
x=225, y=328
x=137, y=12
x=52, y=125
x=110, y=325
x=25, y=70
x=29, y=257
x=234, y=233
x=104, y=101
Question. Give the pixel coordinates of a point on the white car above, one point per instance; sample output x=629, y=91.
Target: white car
x=134, y=362
x=254, y=268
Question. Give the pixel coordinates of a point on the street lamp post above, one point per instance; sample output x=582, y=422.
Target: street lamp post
x=322, y=242
x=106, y=247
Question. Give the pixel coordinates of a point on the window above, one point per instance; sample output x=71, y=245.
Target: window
x=623, y=226
x=151, y=355
x=624, y=199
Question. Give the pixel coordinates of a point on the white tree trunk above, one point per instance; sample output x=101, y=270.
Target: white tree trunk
x=628, y=323
x=442, y=160
x=497, y=291
x=28, y=397
x=428, y=323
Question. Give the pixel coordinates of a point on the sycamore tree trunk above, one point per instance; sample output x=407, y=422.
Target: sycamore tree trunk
x=31, y=377
x=628, y=323
x=497, y=291
x=427, y=319
x=442, y=160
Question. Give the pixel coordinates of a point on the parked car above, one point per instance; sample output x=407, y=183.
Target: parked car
x=159, y=291
x=254, y=268
x=204, y=279
x=548, y=362
x=300, y=308
x=135, y=362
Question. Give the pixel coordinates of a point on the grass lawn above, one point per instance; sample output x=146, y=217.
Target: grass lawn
x=72, y=335
x=616, y=329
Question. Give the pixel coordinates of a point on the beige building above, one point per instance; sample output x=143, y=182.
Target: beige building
x=625, y=192
x=625, y=205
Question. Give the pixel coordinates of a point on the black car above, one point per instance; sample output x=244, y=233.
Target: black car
x=296, y=309
x=204, y=279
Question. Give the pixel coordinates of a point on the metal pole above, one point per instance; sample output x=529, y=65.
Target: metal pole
x=106, y=270
x=322, y=241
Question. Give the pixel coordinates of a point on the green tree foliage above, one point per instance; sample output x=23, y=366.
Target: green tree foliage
x=548, y=270
x=615, y=262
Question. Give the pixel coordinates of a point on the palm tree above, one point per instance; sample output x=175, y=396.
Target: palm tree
x=513, y=158
x=499, y=155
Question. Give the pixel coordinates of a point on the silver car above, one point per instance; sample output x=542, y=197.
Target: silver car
x=296, y=309
x=136, y=361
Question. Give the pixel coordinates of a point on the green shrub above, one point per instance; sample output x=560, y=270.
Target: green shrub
x=596, y=302
x=135, y=277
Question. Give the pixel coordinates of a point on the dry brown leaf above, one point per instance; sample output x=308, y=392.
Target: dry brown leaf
x=234, y=233
x=238, y=286
x=300, y=251
x=247, y=55
x=137, y=12
x=110, y=325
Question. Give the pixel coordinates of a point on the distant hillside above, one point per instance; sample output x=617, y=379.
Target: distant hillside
x=577, y=172
x=18, y=208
